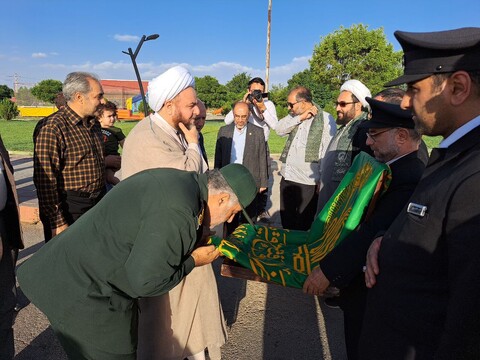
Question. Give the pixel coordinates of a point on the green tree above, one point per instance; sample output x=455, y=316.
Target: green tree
x=8, y=109
x=5, y=92
x=140, y=108
x=238, y=84
x=25, y=98
x=210, y=91
x=278, y=95
x=46, y=90
x=236, y=89
x=321, y=93
x=355, y=53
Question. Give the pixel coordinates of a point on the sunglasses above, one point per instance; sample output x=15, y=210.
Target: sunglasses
x=344, y=103
x=290, y=105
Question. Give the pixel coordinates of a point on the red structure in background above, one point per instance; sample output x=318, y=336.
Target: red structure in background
x=119, y=92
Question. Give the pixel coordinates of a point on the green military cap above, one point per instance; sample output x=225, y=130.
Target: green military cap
x=429, y=53
x=241, y=181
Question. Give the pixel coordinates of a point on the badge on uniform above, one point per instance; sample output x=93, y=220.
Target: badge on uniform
x=417, y=209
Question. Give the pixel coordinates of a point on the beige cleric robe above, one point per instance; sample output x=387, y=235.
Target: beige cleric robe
x=189, y=318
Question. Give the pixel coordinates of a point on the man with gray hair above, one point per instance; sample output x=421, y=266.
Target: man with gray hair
x=309, y=131
x=138, y=242
x=169, y=327
x=69, y=165
x=350, y=139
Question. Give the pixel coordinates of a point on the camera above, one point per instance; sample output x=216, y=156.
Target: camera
x=257, y=95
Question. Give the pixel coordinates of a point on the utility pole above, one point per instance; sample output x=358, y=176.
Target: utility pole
x=133, y=57
x=267, y=67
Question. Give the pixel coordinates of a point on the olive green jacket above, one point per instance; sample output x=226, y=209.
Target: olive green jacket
x=134, y=243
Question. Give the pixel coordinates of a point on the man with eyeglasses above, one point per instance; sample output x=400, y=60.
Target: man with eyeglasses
x=424, y=272
x=309, y=131
x=352, y=111
x=394, y=141
x=243, y=143
x=262, y=114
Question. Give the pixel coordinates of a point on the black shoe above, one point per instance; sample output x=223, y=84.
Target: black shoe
x=332, y=302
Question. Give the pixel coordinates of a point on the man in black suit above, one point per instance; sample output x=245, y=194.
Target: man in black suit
x=243, y=143
x=424, y=273
x=10, y=242
x=393, y=141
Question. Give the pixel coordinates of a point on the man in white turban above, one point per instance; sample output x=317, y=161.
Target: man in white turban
x=352, y=110
x=189, y=318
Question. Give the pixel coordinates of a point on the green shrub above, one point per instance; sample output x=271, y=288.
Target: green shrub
x=8, y=109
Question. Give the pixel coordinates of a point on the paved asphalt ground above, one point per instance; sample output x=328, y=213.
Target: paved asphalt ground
x=265, y=321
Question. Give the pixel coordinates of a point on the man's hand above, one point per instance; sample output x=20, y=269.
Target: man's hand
x=205, y=237
x=260, y=104
x=316, y=283
x=191, y=135
x=59, y=229
x=262, y=189
x=372, y=269
x=204, y=255
x=311, y=112
x=113, y=161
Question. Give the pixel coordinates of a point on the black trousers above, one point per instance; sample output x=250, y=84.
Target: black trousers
x=352, y=301
x=8, y=297
x=298, y=205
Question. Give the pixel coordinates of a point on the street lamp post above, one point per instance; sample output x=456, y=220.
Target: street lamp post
x=133, y=56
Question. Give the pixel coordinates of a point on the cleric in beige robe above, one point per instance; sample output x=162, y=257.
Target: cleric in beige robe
x=188, y=319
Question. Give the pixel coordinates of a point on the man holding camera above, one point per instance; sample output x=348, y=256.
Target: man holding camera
x=264, y=115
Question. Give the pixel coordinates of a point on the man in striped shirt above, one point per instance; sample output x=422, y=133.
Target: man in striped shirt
x=69, y=166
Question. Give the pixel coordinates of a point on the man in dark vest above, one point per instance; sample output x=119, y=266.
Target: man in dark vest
x=350, y=139
x=309, y=131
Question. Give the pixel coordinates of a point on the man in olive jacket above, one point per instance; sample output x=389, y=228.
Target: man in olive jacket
x=139, y=241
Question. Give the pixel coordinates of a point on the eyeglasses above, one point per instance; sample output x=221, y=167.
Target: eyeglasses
x=344, y=103
x=374, y=136
x=290, y=105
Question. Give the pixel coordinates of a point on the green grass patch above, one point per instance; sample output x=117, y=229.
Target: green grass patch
x=17, y=136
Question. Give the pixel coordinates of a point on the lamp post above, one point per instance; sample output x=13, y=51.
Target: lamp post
x=133, y=56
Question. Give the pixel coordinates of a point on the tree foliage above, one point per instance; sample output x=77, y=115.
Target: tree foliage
x=355, y=53
x=210, y=91
x=5, y=92
x=238, y=84
x=8, y=109
x=278, y=94
x=25, y=97
x=321, y=93
x=46, y=90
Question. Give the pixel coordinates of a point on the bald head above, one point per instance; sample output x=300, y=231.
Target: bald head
x=202, y=115
x=241, y=113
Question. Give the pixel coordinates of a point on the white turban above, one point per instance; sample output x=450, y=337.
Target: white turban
x=359, y=90
x=168, y=85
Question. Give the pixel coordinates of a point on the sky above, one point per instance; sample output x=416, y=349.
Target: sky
x=47, y=39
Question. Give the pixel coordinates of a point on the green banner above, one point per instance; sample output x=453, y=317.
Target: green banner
x=286, y=256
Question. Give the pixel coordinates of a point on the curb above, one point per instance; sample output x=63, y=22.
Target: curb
x=29, y=214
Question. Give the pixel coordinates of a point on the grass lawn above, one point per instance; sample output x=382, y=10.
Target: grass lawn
x=17, y=135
